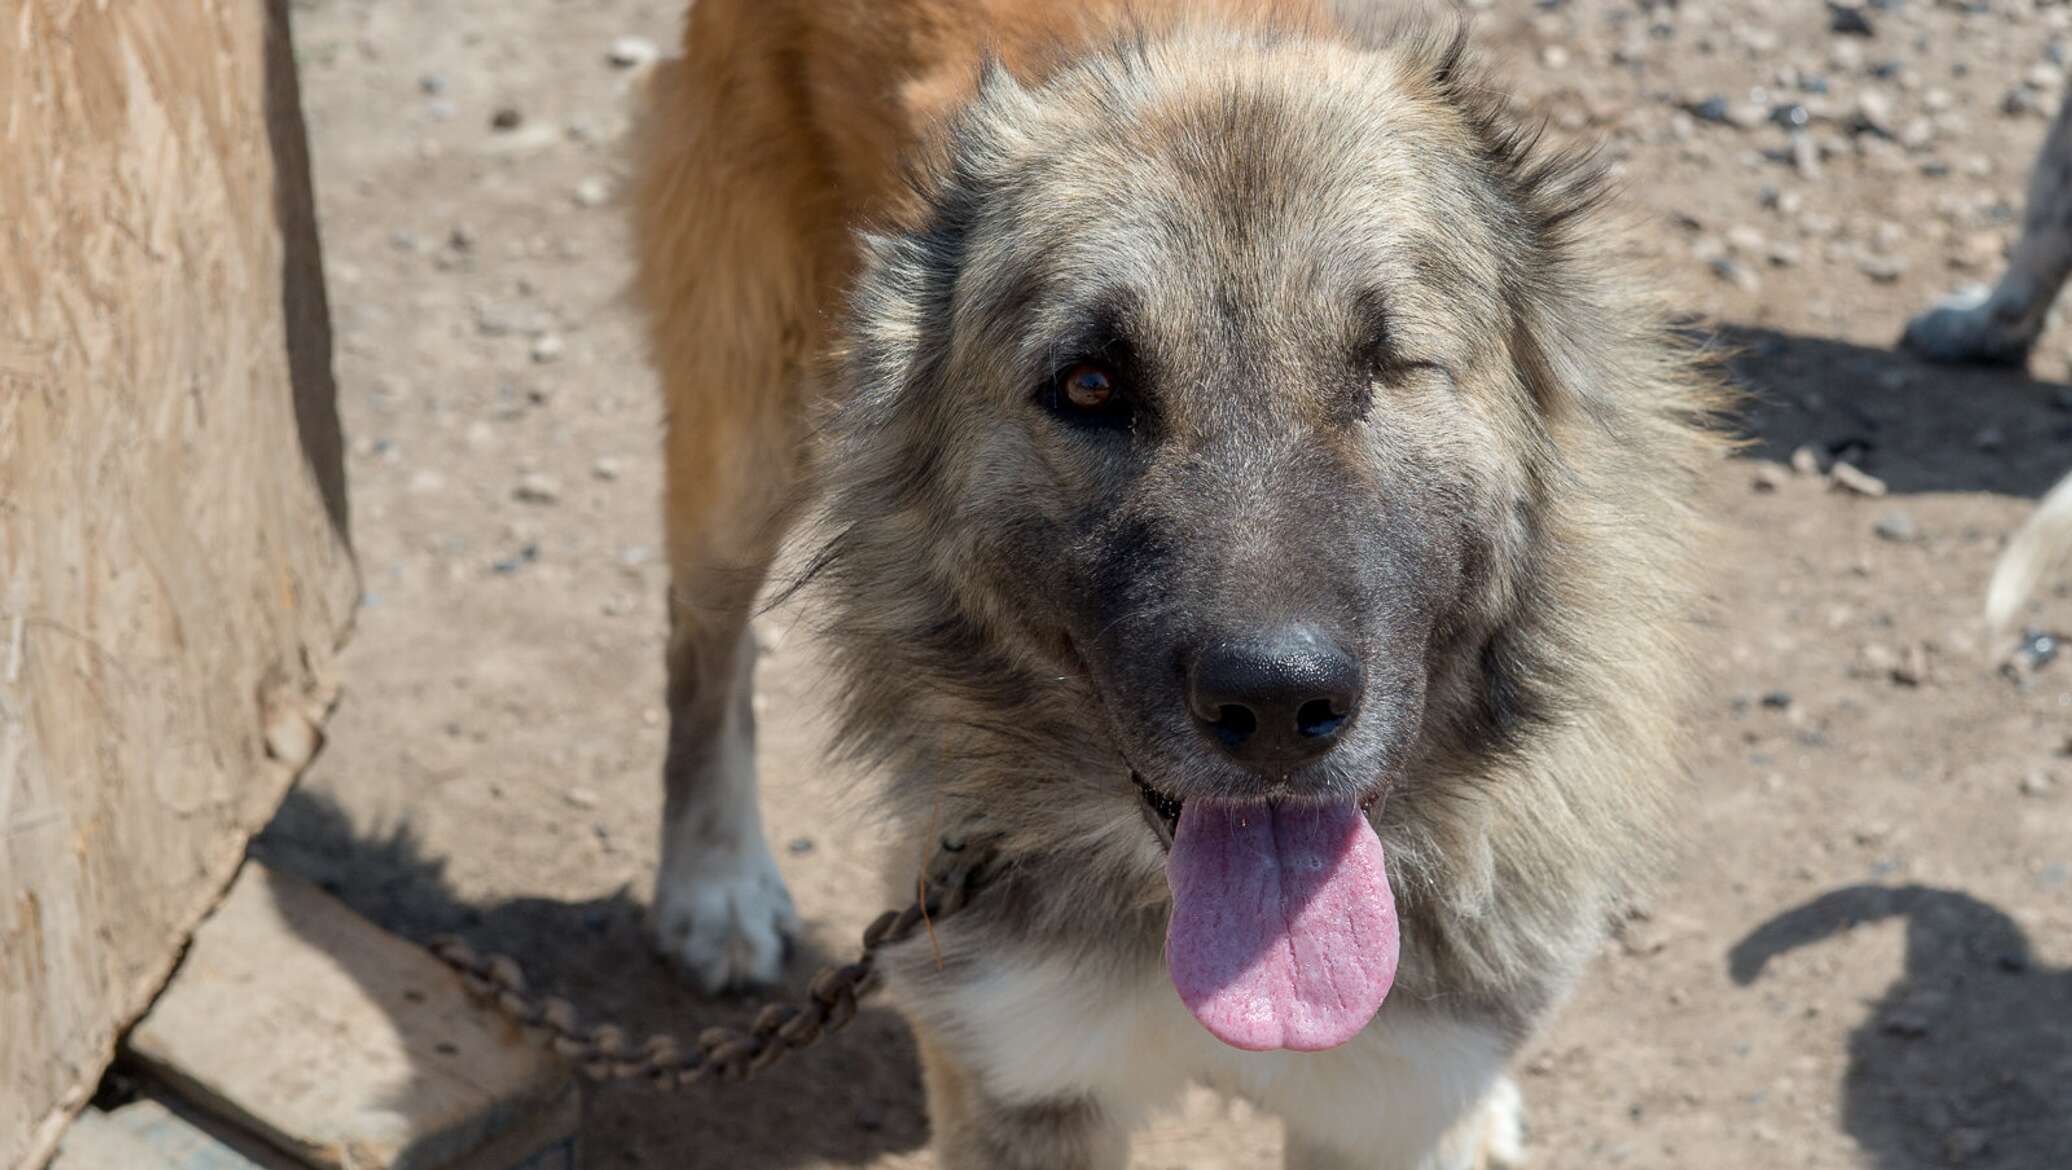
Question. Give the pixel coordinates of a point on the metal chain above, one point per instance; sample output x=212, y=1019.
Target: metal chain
x=603, y=1053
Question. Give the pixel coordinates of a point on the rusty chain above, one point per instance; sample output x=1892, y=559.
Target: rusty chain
x=603, y=1052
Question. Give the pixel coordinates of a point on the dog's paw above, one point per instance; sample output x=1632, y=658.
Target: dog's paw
x=1965, y=330
x=724, y=918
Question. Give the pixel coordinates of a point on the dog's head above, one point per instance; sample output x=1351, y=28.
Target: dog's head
x=1202, y=427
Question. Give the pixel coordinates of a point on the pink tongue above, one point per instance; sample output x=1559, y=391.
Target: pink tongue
x=1284, y=929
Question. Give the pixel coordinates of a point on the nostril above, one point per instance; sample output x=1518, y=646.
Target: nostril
x=1318, y=718
x=1277, y=698
x=1233, y=724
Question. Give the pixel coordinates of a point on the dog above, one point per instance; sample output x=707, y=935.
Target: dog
x=1241, y=483
x=2001, y=328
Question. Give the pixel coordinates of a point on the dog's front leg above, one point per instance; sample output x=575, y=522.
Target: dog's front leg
x=976, y=1131
x=2003, y=327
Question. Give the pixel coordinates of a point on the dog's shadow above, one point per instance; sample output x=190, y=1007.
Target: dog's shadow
x=855, y=1096
x=1967, y=1059
x=1917, y=427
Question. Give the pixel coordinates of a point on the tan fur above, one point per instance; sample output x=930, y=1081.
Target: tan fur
x=1567, y=423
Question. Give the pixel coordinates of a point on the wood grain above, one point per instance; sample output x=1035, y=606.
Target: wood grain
x=174, y=574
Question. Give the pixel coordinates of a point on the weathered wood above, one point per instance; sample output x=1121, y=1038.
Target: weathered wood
x=336, y=1041
x=173, y=568
x=146, y=1135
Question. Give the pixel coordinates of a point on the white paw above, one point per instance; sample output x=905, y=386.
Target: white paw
x=724, y=915
x=1503, y=1121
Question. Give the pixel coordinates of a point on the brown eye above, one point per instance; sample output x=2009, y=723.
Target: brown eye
x=1088, y=386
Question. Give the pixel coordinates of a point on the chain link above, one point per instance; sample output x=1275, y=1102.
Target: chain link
x=603, y=1052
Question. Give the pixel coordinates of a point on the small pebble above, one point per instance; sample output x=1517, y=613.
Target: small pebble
x=1712, y=109
x=1745, y=240
x=2021, y=102
x=1734, y=272
x=1898, y=526
x=1873, y=114
x=2039, y=782
x=1850, y=21
x=606, y=468
x=506, y=118
x=537, y=488
x=632, y=52
x=1805, y=157
x=580, y=797
x=1848, y=477
x=1882, y=268
x=547, y=348
x=2039, y=649
x=526, y=555
x=593, y=191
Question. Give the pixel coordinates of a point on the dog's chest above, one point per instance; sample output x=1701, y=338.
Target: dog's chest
x=1041, y=1029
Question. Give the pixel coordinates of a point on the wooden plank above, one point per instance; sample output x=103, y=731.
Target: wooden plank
x=147, y=1134
x=337, y=1042
x=173, y=568
x=96, y=1141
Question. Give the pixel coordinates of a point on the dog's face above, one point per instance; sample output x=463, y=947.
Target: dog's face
x=1202, y=402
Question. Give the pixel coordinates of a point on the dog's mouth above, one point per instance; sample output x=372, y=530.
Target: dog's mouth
x=1162, y=809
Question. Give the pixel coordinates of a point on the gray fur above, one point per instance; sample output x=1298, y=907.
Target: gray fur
x=1390, y=375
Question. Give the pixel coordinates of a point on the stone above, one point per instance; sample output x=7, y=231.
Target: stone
x=1898, y=526
x=1734, y=272
x=1713, y=109
x=1850, y=21
x=632, y=52
x=1846, y=476
x=537, y=487
x=1882, y=268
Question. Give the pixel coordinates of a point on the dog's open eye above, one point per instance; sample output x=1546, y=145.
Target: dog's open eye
x=1088, y=394
x=1088, y=386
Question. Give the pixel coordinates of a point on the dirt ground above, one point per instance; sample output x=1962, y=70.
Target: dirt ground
x=1865, y=957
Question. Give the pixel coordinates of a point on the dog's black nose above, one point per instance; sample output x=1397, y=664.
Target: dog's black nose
x=1277, y=698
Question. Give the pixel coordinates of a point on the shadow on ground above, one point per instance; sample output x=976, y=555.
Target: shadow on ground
x=1967, y=1059
x=854, y=1097
x=1918, y=427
